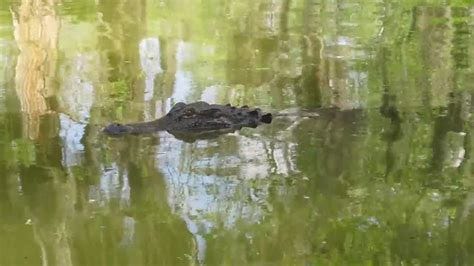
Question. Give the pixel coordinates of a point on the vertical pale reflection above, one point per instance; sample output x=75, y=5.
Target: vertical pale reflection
x=183, y=79
x=78, y=78
x=211, y=189
x=150, y=61
x=346, y=85
x=7, y=65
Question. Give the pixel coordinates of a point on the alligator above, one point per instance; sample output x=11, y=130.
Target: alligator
x=198, y=120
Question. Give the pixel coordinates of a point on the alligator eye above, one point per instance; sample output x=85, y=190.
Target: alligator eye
x=253, y=113
x=189, y=112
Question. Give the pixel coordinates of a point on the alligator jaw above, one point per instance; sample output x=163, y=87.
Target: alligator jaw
x=116, y=129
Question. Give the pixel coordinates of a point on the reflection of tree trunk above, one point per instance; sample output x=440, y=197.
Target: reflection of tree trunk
x=389, y=110
x=139, y=227
x=435, y=53
x=122, y=25
x=454, y=121
x=283, y=51
x=36, y=28
x=158, y=242
x=339, y=88
x=168, y=50
x=251, y=51
x=455, y=117
x=311, y=72
x=50, y=197
x=460, y=110
x=36, y=33
x=121, y=28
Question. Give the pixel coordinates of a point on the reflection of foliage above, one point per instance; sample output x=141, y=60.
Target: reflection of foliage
x=5, y=19
x=83, y=10
x=119, y=98
x=119, y=91
x=25, y=152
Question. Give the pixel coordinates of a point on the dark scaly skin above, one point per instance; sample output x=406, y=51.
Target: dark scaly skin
x=196, y=120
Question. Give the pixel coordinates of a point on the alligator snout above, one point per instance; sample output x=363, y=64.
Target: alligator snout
x=116, y=129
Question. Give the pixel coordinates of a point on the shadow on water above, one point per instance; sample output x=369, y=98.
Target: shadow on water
x=370, y=161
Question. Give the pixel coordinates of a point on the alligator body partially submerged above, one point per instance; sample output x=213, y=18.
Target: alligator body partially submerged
x=196, y=120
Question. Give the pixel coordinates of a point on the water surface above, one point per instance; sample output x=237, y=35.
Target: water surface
x=384, y=179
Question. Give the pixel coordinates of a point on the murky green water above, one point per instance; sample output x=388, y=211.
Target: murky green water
x=387, y=180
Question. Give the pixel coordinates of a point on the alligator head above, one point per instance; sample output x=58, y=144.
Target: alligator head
x=197, y=120
x=201, y=116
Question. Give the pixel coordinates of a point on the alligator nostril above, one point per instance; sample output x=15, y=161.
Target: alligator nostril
x=266, y=118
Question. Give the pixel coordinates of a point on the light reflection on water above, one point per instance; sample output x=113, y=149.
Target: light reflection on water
x=386, y=177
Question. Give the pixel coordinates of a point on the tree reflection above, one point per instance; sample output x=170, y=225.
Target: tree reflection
x=311, y=78
x=36, y=33
x=128, y=193
x=450, y=130
x=252, y=46
x=43, y=181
